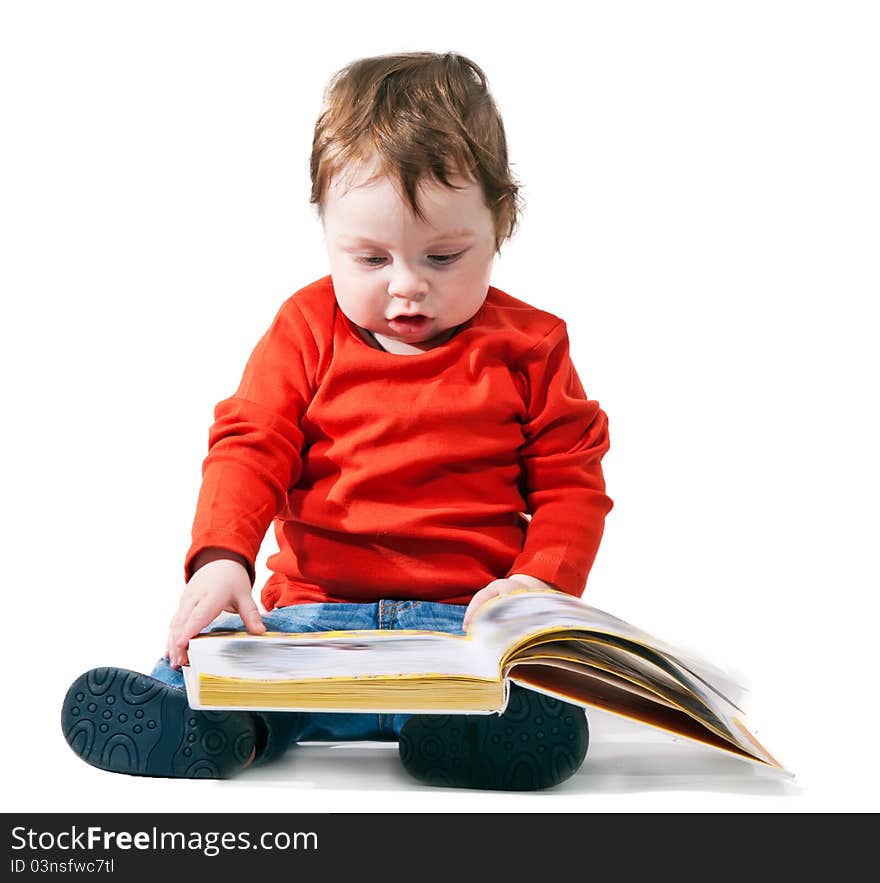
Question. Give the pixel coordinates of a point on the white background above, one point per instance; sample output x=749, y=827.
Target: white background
x=702, y=196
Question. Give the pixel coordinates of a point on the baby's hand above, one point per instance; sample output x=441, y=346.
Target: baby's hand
x=502, y=587
x=217, y=586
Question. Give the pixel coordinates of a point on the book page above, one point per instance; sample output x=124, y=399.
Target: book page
x=578, y=656
x=508, y=620
x=588, y=671
x=656, y=680
x=656, y=675
x=367, y=653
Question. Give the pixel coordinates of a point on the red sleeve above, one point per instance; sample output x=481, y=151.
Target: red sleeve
x=566, y=436
x=255, y=442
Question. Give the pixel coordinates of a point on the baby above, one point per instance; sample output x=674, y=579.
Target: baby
x=419, y=439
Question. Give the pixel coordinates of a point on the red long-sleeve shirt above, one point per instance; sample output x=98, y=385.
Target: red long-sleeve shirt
x=406, y=476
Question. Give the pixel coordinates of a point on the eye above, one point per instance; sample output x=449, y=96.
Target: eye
x=441, y=260
x=445, y=258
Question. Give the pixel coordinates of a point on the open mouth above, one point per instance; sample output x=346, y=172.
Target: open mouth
x=409, y=324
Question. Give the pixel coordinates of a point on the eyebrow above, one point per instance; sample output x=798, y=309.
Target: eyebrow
x=463, y=233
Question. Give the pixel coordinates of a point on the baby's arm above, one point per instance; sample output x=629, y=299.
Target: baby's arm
x=253, y=459
x=565, y=437
x=221, y=581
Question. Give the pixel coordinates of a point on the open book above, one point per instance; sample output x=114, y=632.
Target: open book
x=543, y=640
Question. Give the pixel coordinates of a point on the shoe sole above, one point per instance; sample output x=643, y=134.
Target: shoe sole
x=125, y=722
x=537, y=743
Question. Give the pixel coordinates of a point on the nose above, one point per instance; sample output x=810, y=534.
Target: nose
x=407, y=283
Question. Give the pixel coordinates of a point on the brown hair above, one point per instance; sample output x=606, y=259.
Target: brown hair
x=418, y=114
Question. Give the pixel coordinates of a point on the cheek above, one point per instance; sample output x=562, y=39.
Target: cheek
x=360, y=299
x=469, y=291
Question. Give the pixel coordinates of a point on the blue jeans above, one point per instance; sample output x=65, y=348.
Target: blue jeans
x=285, y=728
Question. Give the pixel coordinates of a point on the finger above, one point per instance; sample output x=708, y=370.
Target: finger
x=188, y=600
x=173, y=654
x=201, y=615
x=476, y=602
x=493, y=590
x=250, y=616
x=170, y=648
x=168, y=637
x=467, y=615
x=179, y=620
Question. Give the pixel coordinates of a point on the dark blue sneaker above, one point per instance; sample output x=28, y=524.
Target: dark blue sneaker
x=537, y=743
x=126, y=722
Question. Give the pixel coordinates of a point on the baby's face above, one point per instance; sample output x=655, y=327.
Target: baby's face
x=408, y=282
